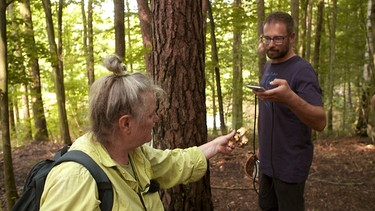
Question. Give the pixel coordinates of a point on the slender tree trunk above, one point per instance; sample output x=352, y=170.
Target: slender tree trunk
x=129, y=62
x=318, y=36
x=178, y=56
x=294, y=8
x=215, y=64
x=90, y=49
x=17, y=55
x=57, y=74
x=40, y=123
x=237, y=82
x=309, y=29
x=261, y=52
x=87, y=41
x=27, y=133
x=304, y=19
x=119, y=28
x=10, y=186
x=332, y=40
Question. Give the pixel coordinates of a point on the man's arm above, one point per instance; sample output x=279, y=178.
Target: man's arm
x=312, y=116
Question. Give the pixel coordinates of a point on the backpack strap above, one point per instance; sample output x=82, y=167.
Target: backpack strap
x=102, y=181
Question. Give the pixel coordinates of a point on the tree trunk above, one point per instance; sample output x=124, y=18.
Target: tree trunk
x=304, y=19
x=40, y=123
x=367, y=90
x=294, y=8
x=145, y=18
x=88, y=41
x=332, y=41
x=27, y=134
x=10, y=187
x=237, y=82
x=318, y=36
x=261, y=53
x=119, y=28
x=90, y=49
x=178, y=56
x=215, y=64
x=129, y=62
x=57, y=74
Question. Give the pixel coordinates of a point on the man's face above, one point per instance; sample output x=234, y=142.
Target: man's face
x=276, y=40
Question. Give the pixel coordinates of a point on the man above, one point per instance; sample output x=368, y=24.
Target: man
x=289, y=109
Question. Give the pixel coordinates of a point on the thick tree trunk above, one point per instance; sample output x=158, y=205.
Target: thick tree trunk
x=178, y=56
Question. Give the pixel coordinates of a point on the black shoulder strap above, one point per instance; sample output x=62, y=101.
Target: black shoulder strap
x=102, y=181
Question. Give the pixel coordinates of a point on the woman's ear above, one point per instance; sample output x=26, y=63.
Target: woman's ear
x=124, y=123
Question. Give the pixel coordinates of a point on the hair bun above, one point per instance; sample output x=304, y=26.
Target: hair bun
x=114, y=64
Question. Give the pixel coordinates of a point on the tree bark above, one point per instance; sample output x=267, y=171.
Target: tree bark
x=90, y=47
x=10, y=187
x=332, y=41
x=178, y=57
x=40, y=123
x=215, y=64
x=367, y=90
x=237, y=83
x=88, y=41
x=294, y=7
x=145, y=18
x=57, y=74
x=119, y=28
x=261, y=52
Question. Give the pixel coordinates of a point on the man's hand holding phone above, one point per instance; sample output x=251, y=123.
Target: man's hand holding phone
x=256, y=88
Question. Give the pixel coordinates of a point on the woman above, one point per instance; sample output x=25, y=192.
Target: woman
x=122, y=114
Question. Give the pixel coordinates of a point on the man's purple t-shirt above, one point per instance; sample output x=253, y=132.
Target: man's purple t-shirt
x=285, y=145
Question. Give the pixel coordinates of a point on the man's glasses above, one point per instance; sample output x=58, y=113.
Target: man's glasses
x=277, y=40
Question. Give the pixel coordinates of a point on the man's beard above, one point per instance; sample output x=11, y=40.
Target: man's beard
x=274, y=53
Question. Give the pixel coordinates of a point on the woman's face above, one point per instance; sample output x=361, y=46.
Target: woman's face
x=143, y=127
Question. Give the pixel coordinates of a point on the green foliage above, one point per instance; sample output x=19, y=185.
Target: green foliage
x=347, y=72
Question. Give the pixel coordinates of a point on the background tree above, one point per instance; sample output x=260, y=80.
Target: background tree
x=88, y=45
x=261, y=16
x=40, y=124
x=216, y=73
x=237, y=113
x=294, y=8
x=367, y=91
x=145, y=20
x=57, y=74
x=10, y=187
x=332, y=40
x=119, y=7
x=178, y=56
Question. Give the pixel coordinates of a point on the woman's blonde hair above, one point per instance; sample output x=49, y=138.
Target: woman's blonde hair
x=115, y=95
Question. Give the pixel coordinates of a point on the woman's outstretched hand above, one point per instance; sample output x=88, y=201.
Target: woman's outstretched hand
x=220, y=144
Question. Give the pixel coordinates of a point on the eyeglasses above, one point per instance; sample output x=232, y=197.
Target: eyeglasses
x=277, y=40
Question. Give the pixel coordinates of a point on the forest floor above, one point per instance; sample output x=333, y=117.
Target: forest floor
x=342, y=176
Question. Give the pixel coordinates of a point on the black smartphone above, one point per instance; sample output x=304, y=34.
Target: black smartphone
x=256, y=88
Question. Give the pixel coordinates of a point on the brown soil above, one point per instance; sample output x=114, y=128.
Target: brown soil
x=342, y=176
